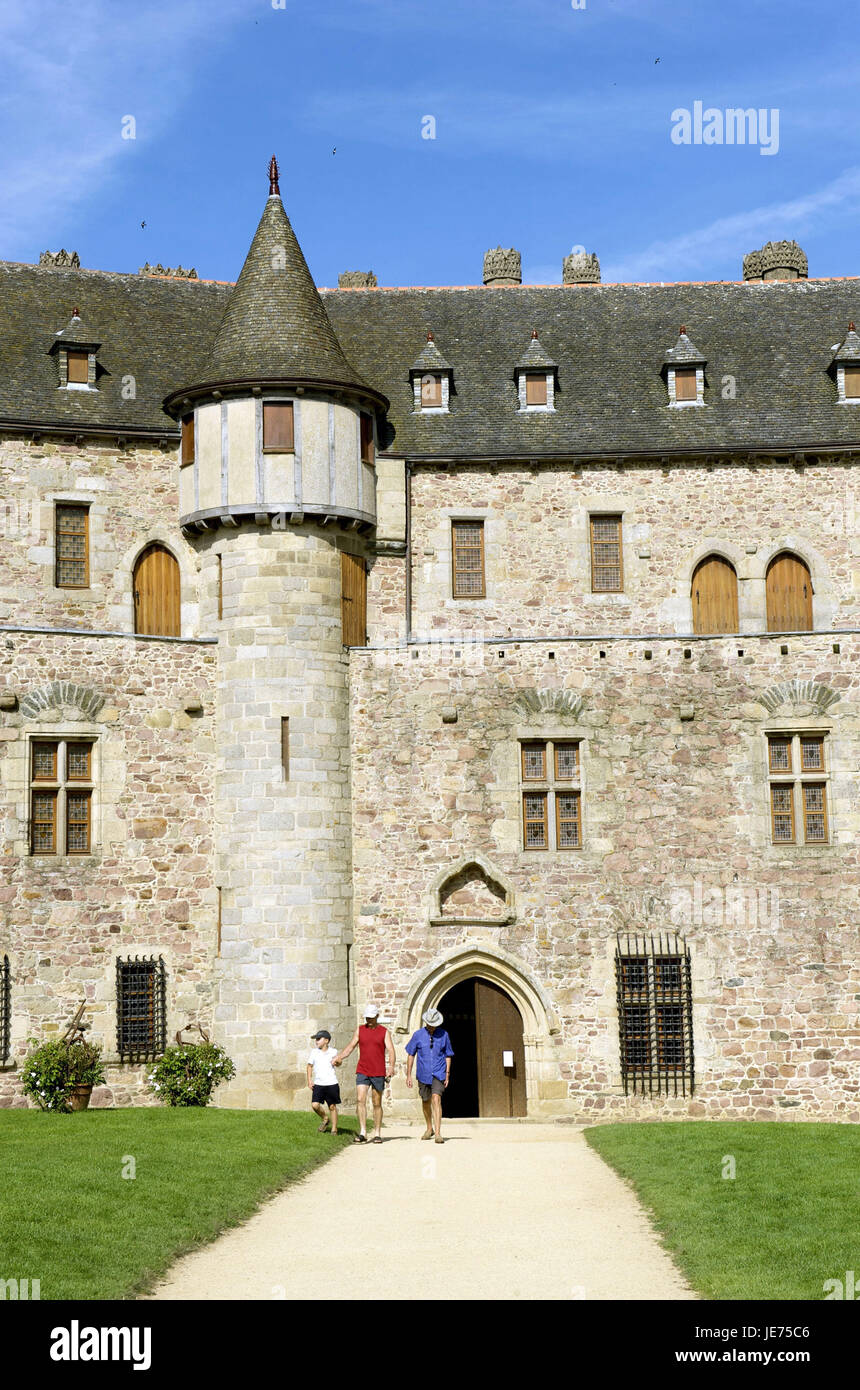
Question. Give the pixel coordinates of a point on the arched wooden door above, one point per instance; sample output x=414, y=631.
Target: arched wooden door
x=789, y=595
x=156, y=593
x=488, y=1071
x=714, y=595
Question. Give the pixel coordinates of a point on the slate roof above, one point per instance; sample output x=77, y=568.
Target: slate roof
x=776, y=338
x=77, y=333
x=274, y=326
x=154, y=330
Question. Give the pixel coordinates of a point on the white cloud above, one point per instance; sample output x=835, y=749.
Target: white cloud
x=68, y=74
x=730, y=237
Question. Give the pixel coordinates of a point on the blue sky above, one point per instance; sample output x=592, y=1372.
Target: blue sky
x=552, y=129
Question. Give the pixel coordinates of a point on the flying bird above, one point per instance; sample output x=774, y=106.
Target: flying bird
x=143, y=224
x=334, y=151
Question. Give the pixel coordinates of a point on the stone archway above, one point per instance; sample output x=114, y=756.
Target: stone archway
x=544, y=1087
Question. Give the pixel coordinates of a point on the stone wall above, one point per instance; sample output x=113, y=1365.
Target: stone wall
x=537, y=548
x=148, y=887
x=132, y=495
x=676, y=837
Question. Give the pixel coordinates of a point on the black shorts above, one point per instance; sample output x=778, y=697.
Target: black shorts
x=329, y=1094
x=426, y=1089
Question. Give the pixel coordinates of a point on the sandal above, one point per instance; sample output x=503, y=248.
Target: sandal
x=360, y=1139
x=321, y=1129
x=377, y=1139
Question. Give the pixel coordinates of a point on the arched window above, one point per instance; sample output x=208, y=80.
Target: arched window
x=156, y=593
x=714, y=596
x=789, y=594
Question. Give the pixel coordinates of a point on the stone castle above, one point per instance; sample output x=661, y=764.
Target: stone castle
x=492, y=648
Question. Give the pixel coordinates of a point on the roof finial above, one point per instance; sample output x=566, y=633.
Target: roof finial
x=534, y=332
x=683, y=330
x=76, y=313
x=429, y=335
x=851, y=327
x=273, y=177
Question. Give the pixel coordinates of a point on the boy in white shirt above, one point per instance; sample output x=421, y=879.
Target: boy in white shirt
x=323, y=1081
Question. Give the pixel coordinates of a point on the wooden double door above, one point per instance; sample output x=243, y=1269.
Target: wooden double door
x=488, y=1070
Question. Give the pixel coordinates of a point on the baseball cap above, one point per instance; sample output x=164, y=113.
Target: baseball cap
x=323, y=1033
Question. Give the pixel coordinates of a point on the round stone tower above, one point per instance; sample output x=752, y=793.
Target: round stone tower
x=278, y=491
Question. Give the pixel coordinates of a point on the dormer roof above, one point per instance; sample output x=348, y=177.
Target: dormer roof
x=76, y=334
x=849, y=349
x=684, y=353
x=430, y=358
x=534, y=359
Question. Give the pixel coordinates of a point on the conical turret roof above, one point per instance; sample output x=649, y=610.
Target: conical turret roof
x=275, y=327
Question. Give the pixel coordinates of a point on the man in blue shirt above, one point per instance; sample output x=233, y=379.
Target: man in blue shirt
x=432, y=1046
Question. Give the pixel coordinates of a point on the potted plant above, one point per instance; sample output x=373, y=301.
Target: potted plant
x=60, y=1075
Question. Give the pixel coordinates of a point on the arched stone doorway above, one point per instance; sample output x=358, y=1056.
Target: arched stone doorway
x=488, y=1074
x=513, y=978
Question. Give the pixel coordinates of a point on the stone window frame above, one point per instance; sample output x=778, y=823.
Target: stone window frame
x=606, y=516
x=795, y=729
x=700, y=387
x=524, y=408
x=63, y=733
x=418, y=406
x=549, y=787
x=493, y=551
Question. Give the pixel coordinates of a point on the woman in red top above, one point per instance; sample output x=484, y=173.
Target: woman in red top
x=376, y=1061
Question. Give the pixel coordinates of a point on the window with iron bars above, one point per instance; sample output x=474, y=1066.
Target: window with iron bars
x=655, y=1015
x=141, y=1012
x=5, y=1009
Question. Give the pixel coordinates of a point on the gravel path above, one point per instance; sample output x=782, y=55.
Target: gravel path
x=523, y=1211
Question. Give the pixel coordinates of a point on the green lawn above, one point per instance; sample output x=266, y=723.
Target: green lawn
x=788, y=1221
x=70, y=1219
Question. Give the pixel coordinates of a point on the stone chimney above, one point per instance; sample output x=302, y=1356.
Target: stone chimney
x=581, y=268
x=502, y=267
x=778, y=260
x=357, y=280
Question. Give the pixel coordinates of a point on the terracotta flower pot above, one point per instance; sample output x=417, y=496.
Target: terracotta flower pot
x=80, y=1097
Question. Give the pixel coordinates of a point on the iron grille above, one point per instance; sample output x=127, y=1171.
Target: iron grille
x=655, y=1014
x=141, y=1012
x=5, y=1009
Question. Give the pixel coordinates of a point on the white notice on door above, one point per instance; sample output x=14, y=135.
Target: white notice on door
x=507, y=1059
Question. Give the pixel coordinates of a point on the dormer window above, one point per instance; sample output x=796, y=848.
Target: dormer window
x=536, y=388
x=431, y=380
x=685, y=384
x=684, y=371
x=78, y=368
x=75, y=349
x=845, y=366
x=535, y=375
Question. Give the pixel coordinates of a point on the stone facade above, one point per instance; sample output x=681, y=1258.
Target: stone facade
x=298, y=827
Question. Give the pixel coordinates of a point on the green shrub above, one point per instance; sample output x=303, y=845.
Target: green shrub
x=53, y=1069
x=188, y=1074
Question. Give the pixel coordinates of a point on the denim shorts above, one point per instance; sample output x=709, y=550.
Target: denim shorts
x=377, y=1082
